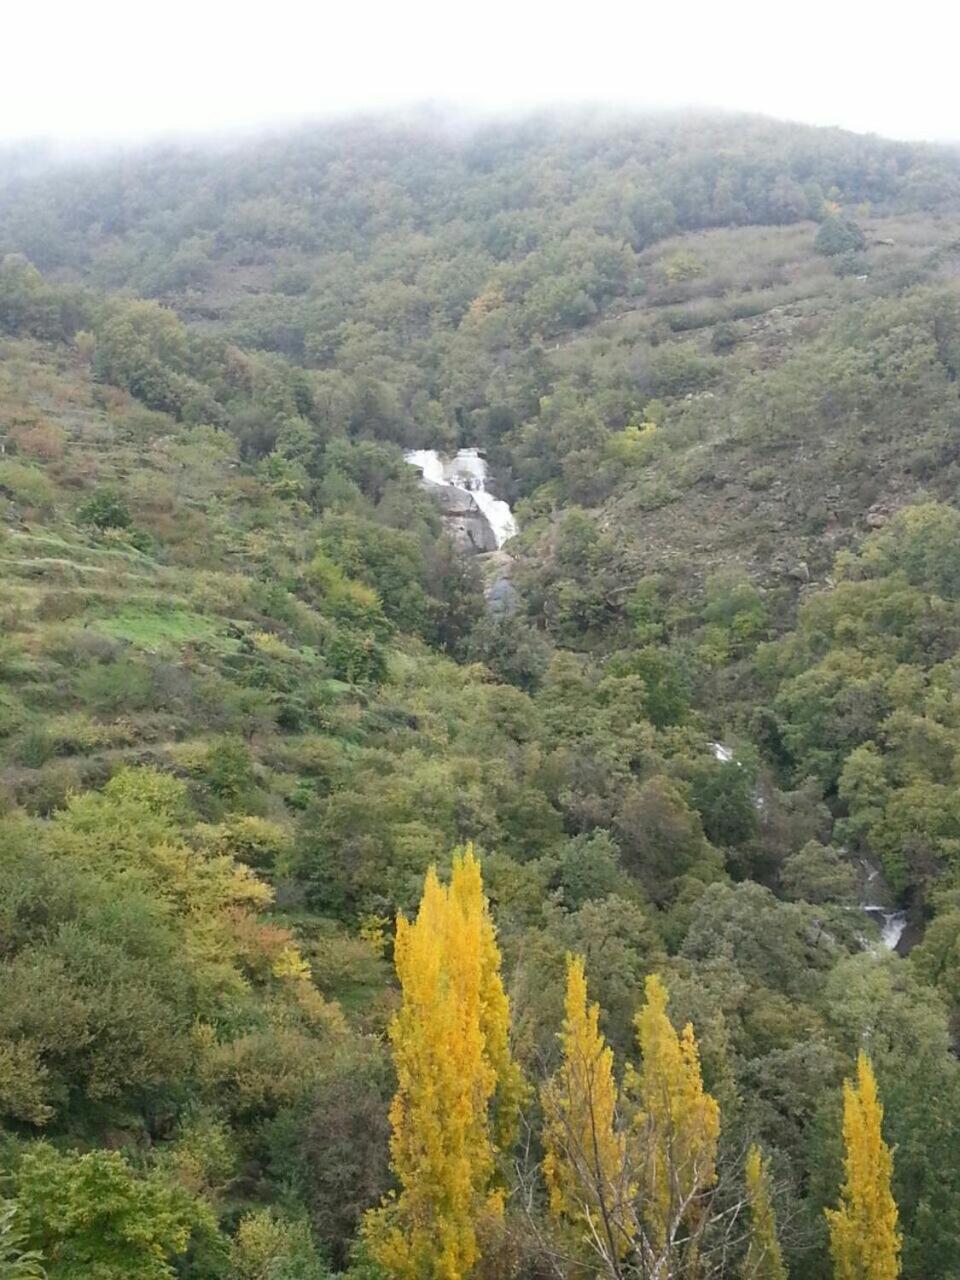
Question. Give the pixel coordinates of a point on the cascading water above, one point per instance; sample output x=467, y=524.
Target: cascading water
x=428, y=462
x=467, y=471
x=893, y=926
x=892, y=923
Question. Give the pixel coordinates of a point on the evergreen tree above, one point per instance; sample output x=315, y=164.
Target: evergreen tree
x=764, y=1261
x=450, y=1051
x=864, y=1239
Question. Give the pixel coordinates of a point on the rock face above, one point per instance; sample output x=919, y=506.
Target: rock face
x=468, y=526
x=501, y=595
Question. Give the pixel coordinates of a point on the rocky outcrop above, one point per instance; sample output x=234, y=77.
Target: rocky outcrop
x=465, y=522
x=501, y=595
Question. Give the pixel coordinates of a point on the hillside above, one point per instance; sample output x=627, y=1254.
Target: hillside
x=250, y=691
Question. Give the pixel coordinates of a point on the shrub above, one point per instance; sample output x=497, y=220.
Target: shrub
x=357, y=657
x=46, y=790
x=40, y=440
x=105, y=509
x=125, y=685
x=229, y=770
x=682, y=266
x=252, y=840
x=761, y=478
x=838, y=235
x=723, y=338
x=34, y=749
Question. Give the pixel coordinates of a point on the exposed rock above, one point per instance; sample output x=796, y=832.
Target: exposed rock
x=466, y=523
x=878, y=515
x=501, y=595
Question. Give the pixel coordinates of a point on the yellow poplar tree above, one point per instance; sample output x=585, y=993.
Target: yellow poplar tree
x=764, y=1261
x=584, y=1162
x=678, y=1123
x=864, y=1239
x=466, y=889
x=452, y=1059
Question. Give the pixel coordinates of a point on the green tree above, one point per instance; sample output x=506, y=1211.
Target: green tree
x=92, y=1215
x=838, y=235
x=17, y=1262
x=269, y=1247
x=105, y=509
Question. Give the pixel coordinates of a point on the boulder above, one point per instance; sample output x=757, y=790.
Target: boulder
x=465, y=522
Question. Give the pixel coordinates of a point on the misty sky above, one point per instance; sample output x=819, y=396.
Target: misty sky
x=122, y=69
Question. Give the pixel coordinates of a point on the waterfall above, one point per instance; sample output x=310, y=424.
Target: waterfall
x=467, y=470
x=428, y=461
x=894, y=923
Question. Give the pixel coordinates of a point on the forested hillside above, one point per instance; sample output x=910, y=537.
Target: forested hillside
x=251, y=693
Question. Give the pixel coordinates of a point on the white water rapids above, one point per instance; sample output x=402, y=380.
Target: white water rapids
x=894, y=923
x=468, y=471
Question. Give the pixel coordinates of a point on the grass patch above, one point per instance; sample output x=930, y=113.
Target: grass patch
x=155, y=628
x=26, y=484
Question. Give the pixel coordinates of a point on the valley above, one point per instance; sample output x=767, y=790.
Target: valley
x=543, y=535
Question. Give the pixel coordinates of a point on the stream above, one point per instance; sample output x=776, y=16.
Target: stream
x=892, y=923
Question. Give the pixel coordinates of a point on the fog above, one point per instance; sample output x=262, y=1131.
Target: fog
x=107, y=69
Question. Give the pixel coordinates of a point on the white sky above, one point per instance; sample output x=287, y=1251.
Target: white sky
x=84, y=69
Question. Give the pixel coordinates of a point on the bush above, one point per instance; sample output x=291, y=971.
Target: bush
x=43, y=440
x=112, y=687
x=723, y=339
x=761, y=478
x=34, y=749
x=229, y=771
x=357, y=657
x=839, y=235
x=106, y=509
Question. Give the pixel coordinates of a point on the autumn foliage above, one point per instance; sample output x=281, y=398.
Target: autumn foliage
x=864, y=1239
x=678, y=1123
x=764, y=1260
x=457, y=1086
x=630, y=1169
x=585, y=1162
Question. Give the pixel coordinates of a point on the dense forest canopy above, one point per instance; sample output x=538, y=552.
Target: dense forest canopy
x=251, y=693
